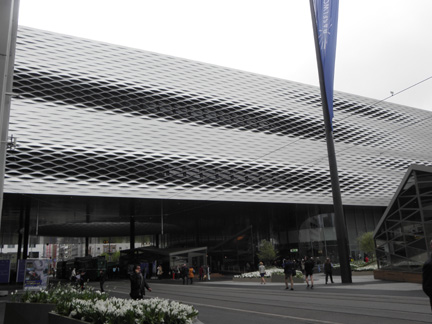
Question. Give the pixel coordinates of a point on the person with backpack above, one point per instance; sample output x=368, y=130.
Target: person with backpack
x=290, y=271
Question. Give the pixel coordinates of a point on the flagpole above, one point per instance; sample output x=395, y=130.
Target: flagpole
x=341, y=231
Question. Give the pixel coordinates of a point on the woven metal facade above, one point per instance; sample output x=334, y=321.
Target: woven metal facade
x=95, y=119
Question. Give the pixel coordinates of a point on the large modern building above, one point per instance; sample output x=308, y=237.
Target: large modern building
x=188, y=154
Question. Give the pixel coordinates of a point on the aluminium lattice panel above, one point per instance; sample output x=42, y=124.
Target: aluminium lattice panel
x=104, y=120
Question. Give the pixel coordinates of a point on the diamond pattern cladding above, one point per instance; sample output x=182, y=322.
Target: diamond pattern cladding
x=104, y=120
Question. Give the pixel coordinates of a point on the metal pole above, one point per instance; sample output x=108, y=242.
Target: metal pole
x=162, y=225
x=132, y=224
x=341, y=231
x=8, y=34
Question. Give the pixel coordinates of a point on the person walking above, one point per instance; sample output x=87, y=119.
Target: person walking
x=102, y=279
x=81, y=279
x=309, y=265
x=427, y=278
x=328, y=270
x=138, y=284
x=289, y=270
x=262, y=272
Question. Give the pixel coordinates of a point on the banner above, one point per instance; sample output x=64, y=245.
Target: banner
x=36, y=274
x=326, y=18
x=4, y=271
x=21, y=270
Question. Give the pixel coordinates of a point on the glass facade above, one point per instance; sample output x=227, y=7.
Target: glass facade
x=405, y=230
x=230, y=230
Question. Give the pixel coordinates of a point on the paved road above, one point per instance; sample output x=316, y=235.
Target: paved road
x=366, y=301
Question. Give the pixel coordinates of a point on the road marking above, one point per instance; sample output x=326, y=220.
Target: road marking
x=310, y=320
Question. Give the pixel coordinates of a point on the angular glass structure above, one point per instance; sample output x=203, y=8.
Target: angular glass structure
x=403, y=234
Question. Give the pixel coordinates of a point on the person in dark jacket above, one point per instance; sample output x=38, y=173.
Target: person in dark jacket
x=427, y=278
x=184, y=271
x=289, y=270
x=102, y=279
x=328, y=270
x=309, y=266
x=138, y=284
x=81, y=279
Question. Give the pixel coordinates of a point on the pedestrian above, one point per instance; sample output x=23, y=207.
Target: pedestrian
x=73, y=277
x=262, y=272
x=138, y=284
x=81, y=279
x=184, y=274
x=318, y=262
x=427, y=278
x=159, y=272
x=309, y=265
x=328, y=270
x=191, y=274
x=201, y=273
x=102, y=279
x=289, y=270
x=207, y=271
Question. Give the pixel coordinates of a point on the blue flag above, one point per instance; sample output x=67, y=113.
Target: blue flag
x=326, y=16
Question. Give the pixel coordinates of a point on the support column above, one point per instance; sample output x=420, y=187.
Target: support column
x=132, y=224
x=20, y=234
x=26, y=227
x=8, y=34
x=86, y=253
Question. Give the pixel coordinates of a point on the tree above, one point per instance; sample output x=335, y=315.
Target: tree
x=367, y=244
x=114, y=257
x=267, y=253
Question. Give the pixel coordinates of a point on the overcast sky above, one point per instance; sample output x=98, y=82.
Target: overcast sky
x=383, y=46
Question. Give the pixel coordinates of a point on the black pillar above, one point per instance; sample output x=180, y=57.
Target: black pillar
x=20, y=234
x=26, y=227
x=132, y=224
x=87, y=221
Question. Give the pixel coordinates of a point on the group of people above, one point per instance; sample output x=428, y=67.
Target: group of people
x=78, y=279
x=187, y=274
x=307, y=265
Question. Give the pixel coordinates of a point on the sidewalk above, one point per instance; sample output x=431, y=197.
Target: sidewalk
x=359, y=283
